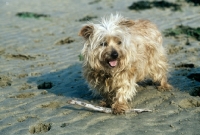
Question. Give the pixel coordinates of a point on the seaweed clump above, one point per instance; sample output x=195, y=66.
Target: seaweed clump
x=87, y=18
x=67, y=40
x=195, y=2
x=31, y=15
x=142, y=5
x=195, y=92
x=45, y=85
x=184, y=30
x=81, y=58
x=194, y=76
x=94, y=2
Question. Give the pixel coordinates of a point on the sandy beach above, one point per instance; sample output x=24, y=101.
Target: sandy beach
x=40, y=70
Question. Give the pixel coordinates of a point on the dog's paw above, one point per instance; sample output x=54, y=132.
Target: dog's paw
x=103, y=103
x=166, y=87
x=119, y=108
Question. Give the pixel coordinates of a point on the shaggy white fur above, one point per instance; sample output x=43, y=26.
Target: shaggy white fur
x=119, y=52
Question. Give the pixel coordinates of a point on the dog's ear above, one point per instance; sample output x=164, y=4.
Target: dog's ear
x=86, y=31
x=127, y=23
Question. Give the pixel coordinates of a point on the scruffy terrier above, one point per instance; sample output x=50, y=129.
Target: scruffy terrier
x=118, y=53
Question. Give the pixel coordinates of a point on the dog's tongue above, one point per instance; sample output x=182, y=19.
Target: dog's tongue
x=113, y=63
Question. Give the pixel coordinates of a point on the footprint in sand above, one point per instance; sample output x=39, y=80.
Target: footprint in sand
x=5, y=81
x=39, y=128
x=23, y=95
x=189, y=103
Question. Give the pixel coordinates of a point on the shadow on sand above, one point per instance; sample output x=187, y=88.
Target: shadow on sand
x=70, y=83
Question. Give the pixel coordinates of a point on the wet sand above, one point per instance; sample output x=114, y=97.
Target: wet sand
x=40, y=71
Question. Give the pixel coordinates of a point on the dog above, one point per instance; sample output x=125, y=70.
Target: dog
x=118, y=53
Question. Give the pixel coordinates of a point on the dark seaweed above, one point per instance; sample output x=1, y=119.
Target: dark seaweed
x=142, y=5
x=195, y=92
x=195, y=2
x=81, y=58
x=45, y=85
x=194, y=76
x=185, y=65
x=67, y=40
x=185, y=30
x=31, y=15
x=165, y=4
x=87, y=18
x=94, y=2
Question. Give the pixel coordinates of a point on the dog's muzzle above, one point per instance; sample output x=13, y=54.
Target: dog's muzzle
x=113, y=61
x=114, y=54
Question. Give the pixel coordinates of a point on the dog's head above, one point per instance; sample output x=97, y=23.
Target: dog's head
x=107, y=44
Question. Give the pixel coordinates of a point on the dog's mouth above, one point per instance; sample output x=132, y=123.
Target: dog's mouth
x=112, y=63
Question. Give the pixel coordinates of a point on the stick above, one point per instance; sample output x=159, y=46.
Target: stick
x=103, y=109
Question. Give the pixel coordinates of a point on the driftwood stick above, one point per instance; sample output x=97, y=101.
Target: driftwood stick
x=103, y=109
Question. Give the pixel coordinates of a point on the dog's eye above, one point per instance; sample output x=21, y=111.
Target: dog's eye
x=103, y=44
x=119, y=42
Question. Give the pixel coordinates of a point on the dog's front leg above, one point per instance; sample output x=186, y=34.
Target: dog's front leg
x=120, y=101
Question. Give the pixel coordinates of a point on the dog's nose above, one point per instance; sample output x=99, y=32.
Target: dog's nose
x=114, y=54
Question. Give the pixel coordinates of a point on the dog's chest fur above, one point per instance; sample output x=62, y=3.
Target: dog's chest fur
x=103, y=82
